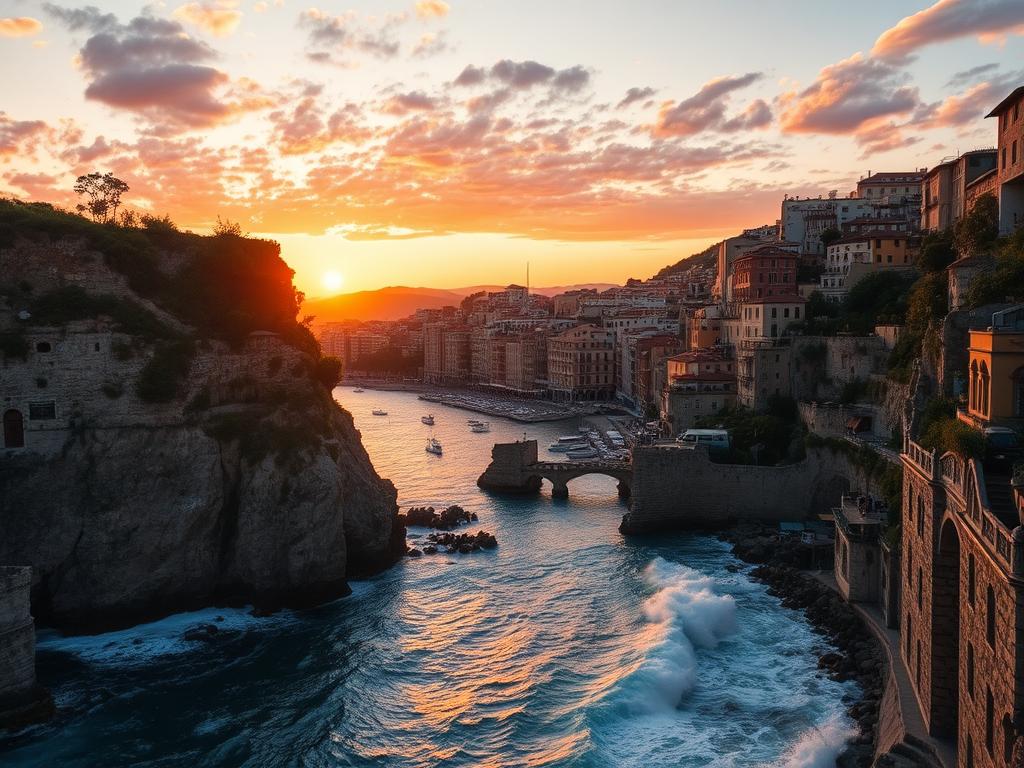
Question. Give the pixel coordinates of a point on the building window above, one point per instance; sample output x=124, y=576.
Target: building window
x=970, y=580
x=920, y=515
x=43, y=411
x=970, y=669
x=920, y=590
x=910, y=628
x=917, y=672
x=43, y=346
x=989, y=724
x=1013, y=152
x=990, y=616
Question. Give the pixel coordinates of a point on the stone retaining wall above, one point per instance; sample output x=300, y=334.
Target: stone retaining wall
x=681, y=488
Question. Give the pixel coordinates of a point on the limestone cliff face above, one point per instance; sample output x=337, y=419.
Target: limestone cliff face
x=145, y=472
x=134, y=522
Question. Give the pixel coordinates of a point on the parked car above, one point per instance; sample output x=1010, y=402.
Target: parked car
x=715, y=439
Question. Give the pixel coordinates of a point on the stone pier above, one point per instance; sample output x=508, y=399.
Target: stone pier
x=22, y=700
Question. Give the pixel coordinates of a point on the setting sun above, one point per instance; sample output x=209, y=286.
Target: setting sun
x=332, y=280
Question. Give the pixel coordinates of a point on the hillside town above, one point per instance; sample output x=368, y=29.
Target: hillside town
x=883, y=321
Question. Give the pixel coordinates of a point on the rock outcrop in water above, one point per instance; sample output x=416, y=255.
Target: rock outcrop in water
x=170, y=440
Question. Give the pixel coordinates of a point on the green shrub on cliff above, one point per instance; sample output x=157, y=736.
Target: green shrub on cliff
x=225, y=287
x=70, y=303
x=160, y=378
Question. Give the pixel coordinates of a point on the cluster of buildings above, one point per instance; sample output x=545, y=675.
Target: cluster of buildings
x=952, y=585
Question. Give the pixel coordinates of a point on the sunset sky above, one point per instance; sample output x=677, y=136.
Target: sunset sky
x=447, y=143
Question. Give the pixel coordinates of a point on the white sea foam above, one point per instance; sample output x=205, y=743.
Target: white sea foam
x=683, y=613
x=819, y=747
x=146, y=642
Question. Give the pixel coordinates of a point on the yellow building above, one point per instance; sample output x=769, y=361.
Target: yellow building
x=996, y=371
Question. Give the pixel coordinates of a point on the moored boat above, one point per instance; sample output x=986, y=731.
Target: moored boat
x=582, y=453
x=480, y=426
x=379, y=412
x=428, y=419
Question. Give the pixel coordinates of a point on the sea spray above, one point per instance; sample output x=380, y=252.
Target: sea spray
x=683, y=613
x=819, y=747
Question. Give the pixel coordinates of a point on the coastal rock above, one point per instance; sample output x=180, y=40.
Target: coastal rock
x=463, y=543
x=428, y=517
x=241, y=483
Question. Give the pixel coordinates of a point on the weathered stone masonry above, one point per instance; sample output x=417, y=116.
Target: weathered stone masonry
x=963, y=607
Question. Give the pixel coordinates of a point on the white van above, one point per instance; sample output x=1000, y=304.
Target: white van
x=714, y=439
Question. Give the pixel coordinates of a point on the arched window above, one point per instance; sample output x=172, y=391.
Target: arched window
x=43, y=346
x=983, y=370
x=972, y=393
x=14, y=429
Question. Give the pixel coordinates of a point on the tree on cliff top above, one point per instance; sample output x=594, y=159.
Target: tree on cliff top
x=101, y=194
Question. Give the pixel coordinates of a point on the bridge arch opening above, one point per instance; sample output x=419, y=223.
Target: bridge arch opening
x=945, y=687
x=560, y=482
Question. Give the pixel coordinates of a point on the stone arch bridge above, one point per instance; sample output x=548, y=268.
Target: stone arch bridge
x=515, y=468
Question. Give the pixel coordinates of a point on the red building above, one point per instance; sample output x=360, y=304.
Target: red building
x=762, y=272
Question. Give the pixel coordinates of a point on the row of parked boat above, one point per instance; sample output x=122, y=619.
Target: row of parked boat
x=589, y=444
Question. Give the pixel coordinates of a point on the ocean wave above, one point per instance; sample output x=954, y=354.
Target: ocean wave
x=684, y=613
x=819, y=747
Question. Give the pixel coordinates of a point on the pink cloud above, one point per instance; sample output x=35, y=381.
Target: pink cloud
x=949, y=20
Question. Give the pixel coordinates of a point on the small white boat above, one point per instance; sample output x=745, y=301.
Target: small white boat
x=480, y=426
x=582, y=453
x=428, y=419
x=434, y=446
x=358, y=390
x=473, y=422
x=379, y=412
x=568, y=443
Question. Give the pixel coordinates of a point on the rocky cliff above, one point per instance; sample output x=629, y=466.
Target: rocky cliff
x=170, y=440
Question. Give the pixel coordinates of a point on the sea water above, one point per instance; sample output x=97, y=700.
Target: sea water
x=568, y=645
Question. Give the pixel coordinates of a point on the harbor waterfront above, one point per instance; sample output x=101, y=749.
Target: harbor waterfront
x=567, y=645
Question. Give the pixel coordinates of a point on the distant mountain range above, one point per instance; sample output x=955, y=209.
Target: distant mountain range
x=396, y=302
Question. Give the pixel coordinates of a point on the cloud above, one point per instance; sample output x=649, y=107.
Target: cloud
x=987, y=20
x=219, y=19
x=965, y=109
x=634, y=95
x=150, y=66
x=334, y=39
x=968, y=76
x=20, y=138
x=848, y=96
x=572, y=80
x=19, y=26
x=404, y=103
x=757, y=115
x=883, y=137
x=521, y=74
x=427, y=9
x=88, y=18
x=430, y=44
x=705, y=110
x=471, y=76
